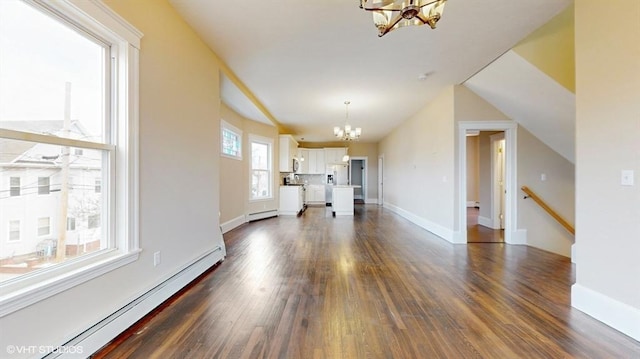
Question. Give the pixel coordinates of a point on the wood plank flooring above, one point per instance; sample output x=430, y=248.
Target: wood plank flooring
x=372, y=286
x=477, y=233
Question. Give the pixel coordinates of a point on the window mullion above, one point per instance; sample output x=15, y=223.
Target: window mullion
x=53, y=140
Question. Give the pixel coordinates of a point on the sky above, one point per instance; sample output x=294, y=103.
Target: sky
x=38, y=55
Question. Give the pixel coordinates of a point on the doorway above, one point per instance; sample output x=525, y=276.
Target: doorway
x=358, y=177
x=502, y=171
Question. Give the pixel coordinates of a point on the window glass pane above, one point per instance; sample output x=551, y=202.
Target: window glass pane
x=44, y=186
x=260, y=156
x=14, y=231
x=14, y=185
x=41, y=166
x=260, y=184
x=231, y=141
x=44, y=64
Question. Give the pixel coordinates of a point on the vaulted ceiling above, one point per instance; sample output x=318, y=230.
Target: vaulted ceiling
x=302, y=59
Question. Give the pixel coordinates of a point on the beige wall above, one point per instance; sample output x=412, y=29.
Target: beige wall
x=419, y=164
x=473, y=169
x=608, y=133
x=179, y=186
x=551, y=48
x=558, y=191
x=235, y=174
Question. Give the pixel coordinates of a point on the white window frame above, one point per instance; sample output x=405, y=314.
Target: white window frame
x=269, y=142
x=9, y=240
x=97, y=19
x=40, y=226
x=12, y=187
x=44, y=189
x=225, y=126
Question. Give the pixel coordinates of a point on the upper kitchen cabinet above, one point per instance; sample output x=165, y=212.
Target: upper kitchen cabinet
x=288, y=150
x=313, y=162
x=334, y=155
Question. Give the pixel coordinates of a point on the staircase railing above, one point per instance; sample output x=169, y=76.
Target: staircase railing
x=548, y=209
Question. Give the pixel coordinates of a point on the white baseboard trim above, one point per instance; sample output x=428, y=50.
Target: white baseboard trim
x=487, y=222
x=473, y=204
x=262, y=215
x=519, y=236
x=618, y=315
x=438, y=230
x=94, y=338
x=233, y=223
x=573, y=253
x=371, y=201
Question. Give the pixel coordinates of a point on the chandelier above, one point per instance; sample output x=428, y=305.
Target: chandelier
x=391, y=14
x=347, y=133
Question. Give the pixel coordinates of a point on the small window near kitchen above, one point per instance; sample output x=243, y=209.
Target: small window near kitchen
x=14, y=231
x=231, y=141
x=44, y=226
x=14, y=186
x=44, y=185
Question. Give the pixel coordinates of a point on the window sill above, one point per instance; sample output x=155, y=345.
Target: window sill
x=31, y=294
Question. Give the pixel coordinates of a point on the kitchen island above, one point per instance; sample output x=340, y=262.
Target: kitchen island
x=342, y=200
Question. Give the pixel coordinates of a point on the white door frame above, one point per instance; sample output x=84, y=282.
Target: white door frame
x=365, y=175
x=497, y=175
x=510, y=128
x=381, y=180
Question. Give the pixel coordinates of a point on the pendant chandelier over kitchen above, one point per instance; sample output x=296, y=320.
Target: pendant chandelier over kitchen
x=391, y=14
x=347, y=133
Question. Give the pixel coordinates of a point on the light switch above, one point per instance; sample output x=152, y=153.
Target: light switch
x=627, y=178
x=543, y=177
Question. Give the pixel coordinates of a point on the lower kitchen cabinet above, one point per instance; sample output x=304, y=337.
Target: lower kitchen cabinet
x=291, y=200
x=316, y=194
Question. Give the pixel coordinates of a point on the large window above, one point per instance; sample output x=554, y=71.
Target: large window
x=261, y=168
x=231, y=141
x=68, y=109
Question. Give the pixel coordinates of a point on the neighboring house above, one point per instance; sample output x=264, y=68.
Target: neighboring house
x=31, y=180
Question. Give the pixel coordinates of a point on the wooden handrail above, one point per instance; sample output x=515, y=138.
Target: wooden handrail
x=549, y=210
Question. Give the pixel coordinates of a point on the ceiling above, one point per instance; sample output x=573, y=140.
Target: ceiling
x=302, y=59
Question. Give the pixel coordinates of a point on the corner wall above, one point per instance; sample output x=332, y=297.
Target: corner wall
x=607, y=132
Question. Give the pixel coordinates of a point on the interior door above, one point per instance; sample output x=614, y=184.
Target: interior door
x=380, y=180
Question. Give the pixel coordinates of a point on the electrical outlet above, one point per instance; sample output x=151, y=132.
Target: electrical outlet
x=156, y=259
x=626, y=178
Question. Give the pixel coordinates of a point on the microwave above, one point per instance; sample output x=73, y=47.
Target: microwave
x=296, y=165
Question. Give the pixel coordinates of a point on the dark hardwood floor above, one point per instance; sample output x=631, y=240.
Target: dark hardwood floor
x=372, y=286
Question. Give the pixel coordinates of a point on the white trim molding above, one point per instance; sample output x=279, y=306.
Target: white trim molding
x=106, y=330
x=440, y=231
x=232, y=223
x=611, y=312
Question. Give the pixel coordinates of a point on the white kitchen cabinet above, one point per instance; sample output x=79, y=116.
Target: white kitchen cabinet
x=334, y=155
x=288, y=151
x=313, y=163
x=291, y=200
x=342, y=201
x=304, y=158
x=316, y=194
x=316, y=163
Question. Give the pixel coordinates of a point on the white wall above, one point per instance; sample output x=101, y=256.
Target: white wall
x=608, y=132
x=179, y=184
